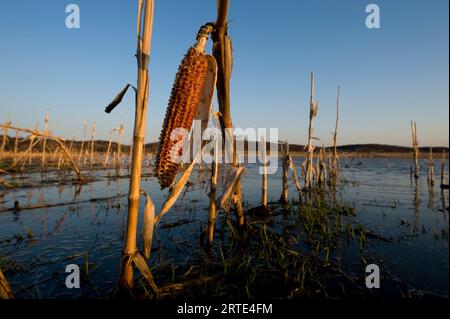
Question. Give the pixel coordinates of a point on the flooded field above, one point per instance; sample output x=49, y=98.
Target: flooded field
x=401, y=225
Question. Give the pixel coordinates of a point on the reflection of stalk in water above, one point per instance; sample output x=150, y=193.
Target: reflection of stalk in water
x=430, y=196
x=444, y=208
x=77, y=191
x=284, y=193
x=41, y=199
x=263, y=152
x=60, y=222
x=416, y=203
x=14, y=198
x=60, y=190
x=16, y=211
x=91, y=211
x=91, y=190
x=43, y=213
x=118, y=186
x=430, y=169
x=443, y=169
x=29, y=196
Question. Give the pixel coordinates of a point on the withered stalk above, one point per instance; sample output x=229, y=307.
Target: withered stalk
x=143, y=55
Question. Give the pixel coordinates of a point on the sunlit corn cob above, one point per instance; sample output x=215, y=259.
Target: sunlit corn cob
x=180, y=113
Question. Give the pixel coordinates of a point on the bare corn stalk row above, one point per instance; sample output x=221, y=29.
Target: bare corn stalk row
x=316, y=173
x=415, y=168
x=27, y=151
x=35, y=136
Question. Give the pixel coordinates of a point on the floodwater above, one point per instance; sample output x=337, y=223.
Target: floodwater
x=37, y=244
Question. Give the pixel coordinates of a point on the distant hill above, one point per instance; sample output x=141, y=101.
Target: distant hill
x=102, y=146
x=384, y=148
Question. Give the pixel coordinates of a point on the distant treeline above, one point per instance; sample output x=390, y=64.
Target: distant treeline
x=102, y=146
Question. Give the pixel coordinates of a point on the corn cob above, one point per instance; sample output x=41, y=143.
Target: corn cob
x=180, y=113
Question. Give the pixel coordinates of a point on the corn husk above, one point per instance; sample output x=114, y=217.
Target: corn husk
x=232, y=179
x=148, y=225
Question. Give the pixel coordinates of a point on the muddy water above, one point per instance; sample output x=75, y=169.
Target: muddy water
x=37, y=244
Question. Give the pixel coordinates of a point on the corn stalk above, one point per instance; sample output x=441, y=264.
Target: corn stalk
x=109, y=147
x=91, y=157
x=213, y=187
x=222, y=52
x=16, y=145
x=5, y=137
x=130, y=253
x=313, y=107
x=82, y=143
x=415, y=145
x=44, y=142
x=335, y=169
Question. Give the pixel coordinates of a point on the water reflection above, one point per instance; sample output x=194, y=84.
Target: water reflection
x=431, y=198
x=416, y=205
x=77, y=191
x=89, y=225
x=444, y=206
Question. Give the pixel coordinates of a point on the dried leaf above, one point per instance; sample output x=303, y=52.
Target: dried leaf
x=176, y=189
x=232, y=179
x=141, y=264
x=5, y=289
x=316, y=108
x=148, y=225
x=294, y=174
x=207, y=94
x=117, y=99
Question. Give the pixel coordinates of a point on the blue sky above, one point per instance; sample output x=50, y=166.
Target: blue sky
x=389, y=76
